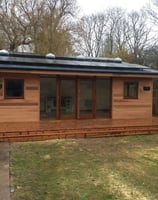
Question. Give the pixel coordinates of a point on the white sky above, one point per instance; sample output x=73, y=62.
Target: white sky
x=91, y=6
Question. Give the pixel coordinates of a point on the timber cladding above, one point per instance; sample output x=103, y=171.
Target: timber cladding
x=140, y=107
x=27, y=107
x=21, y=109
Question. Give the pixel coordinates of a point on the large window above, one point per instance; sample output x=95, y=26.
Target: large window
x=14, y=88
x=131, y=90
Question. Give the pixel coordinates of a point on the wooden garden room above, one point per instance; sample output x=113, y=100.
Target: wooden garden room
x=45, y=95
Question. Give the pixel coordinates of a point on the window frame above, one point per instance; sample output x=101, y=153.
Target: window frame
x=128, y=96
x=5, y=89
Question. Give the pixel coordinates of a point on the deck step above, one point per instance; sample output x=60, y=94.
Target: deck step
x=45, y=134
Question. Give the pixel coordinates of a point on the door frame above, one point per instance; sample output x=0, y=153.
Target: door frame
x=77, y=80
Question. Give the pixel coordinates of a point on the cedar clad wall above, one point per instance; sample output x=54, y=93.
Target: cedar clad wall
x=25, y=109
x=28, y=108
x=131, y=108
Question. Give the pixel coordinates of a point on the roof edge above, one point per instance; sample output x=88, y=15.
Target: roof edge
x=52, y=56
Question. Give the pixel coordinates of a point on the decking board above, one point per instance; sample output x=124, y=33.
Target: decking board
x=59, y=129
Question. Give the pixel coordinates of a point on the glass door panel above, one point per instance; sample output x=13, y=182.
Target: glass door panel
x=68, y=98
x=86, y=97
x=103, y=97
x=48, y=98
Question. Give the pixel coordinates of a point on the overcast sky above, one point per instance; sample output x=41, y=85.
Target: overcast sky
x=91, y=6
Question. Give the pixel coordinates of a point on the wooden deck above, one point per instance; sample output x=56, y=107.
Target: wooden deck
x=43, y=130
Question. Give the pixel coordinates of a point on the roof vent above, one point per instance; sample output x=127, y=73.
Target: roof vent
x=118, y=59
x=5, y=52
x=50, y=55
x=80, y=56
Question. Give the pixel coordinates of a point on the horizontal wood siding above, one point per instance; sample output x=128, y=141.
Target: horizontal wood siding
x=22, y=110
x=131, y=108
x=28, y=109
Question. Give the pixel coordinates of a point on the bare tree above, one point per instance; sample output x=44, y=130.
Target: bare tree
x=48, y=26
x=56, y=26
x=150, y=56
x=90, y=32
x=32, y=12
x=102, y=34
x=116, y=30
x=152, y=11
x=43, y=23
x=137, y=36
x=13, y=28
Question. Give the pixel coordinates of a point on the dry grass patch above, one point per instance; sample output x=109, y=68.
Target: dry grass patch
x=122, y=168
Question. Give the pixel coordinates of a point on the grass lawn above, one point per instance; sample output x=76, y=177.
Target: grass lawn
x=123, y=168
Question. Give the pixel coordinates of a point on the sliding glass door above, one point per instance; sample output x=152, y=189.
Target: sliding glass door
x=48, y=98
x=67, y=98
x=75, y=97
x=103, y=98
x=86, y=98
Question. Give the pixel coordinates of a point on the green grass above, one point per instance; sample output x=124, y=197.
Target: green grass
x=123, y=168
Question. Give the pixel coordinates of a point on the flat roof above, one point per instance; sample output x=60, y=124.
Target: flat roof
x=50, y=62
